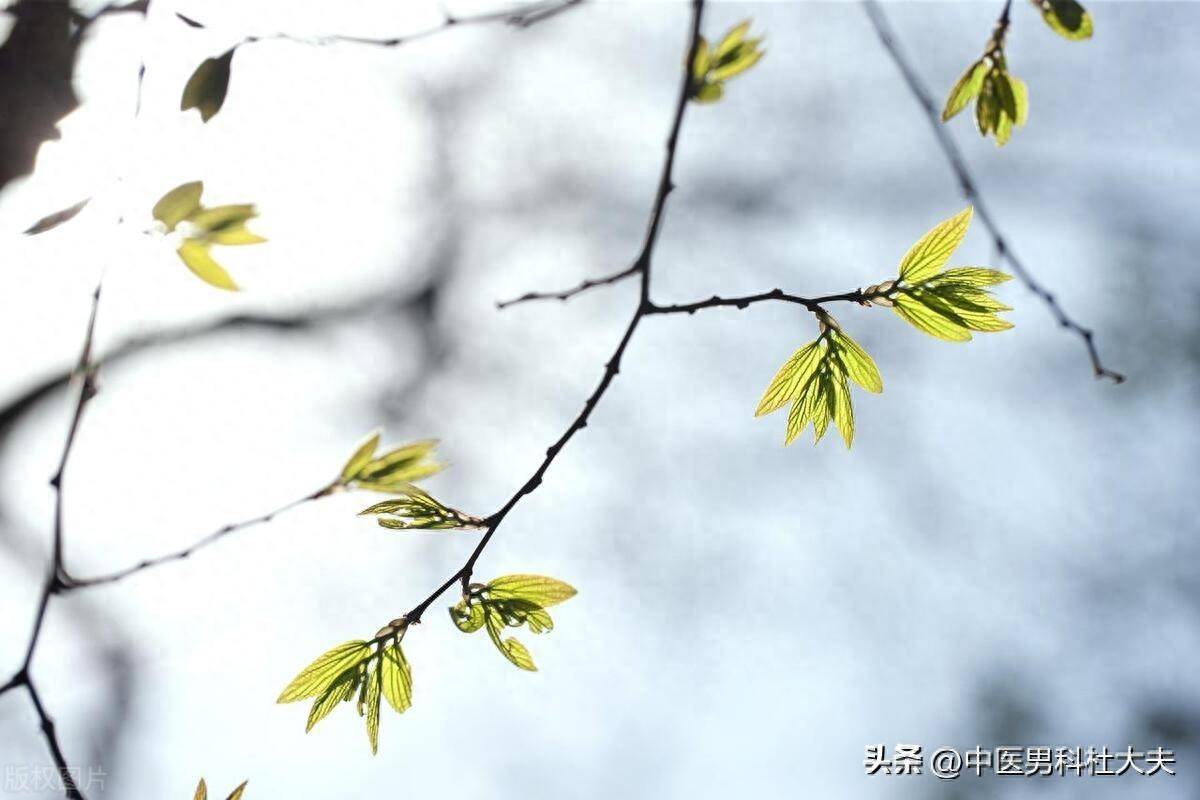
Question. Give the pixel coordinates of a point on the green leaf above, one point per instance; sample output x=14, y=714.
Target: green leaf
x=208, y=85
x=842, y=410
x=320, y=674
x=219, y=218
x=709, y=93
x=929, y=321
x=1067, y=18
x=510, y=648
x=1020, y=94
x=965, y=90
x=371, y=699
x=702, y=61
x=732, y=40
x=341, y=690
x=987, y=107
x=791, y=378
x=467, y=616
x=402, y=465
x=396, y=678
x=856, y=363
x=417, y=509
x=196, y=257
x=178, y=204
x=745, y=58
x=933, y=249
x=537, y=589
x=360, y=458
x=974, y=276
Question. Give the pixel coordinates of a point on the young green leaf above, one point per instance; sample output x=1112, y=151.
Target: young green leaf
x=208, y=85
x=815, y=381
x=713, y=66
x=536, y=589
x=321, y=674
x=948, y=304
x=340, y=691
x=360, y=458
x=510, y=648
x=399, y=467
x=396, y=678
x=468, y=617
x=374, y=690
x=195, y=256
x=1066, y=18
x=966, y=90
x=178, y=204
x=202, y=791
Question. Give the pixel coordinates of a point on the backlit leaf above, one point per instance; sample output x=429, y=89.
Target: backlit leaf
x=341, y=690
x=208, y=85
x=468, y=617
x=371, y=700
x=510, y=648
x=791, y=378
x=360, y=457
x=934, y=248
x=965, y=90
x=1067, y=18
x=201, y=791
x=236, y=794
x=537, y=589
x=396, y=678
x=178, y=204
x=320, y=674
x=858, y=365
x=195, y=256
x=928, y=321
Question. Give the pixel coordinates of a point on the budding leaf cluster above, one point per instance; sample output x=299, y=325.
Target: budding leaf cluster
x=1001, y=99
x=511, y=601
x=202, y=791
x=415, y=508
x=201, y=227
x=362, y=670
x=732, y=56
x=392, y=471
x=946, y=303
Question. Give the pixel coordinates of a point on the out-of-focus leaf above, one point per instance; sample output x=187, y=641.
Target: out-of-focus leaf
x=320, y=674
x=965, y=90
x=1020, y=94
x=933, y=249
x=360, y=458
x=52, y=221
x=712, y=66
x=1067, y=18
x=221, y=218
x=195, y=255
x=732, y=39
x=208, y=85
x=746, y=58
x=396, y=678
x=178, y=204
x=201, y=791
x=537, y=589
x=710, y=93
x=236, y=794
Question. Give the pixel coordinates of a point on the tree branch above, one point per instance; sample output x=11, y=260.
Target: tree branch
x=642, y=267
x=522, y=16
x=970, y=190
x=567, y=294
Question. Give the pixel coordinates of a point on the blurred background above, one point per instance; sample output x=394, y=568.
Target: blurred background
x=1006, y=557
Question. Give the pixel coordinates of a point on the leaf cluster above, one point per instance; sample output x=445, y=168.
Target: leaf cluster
x=511, y=601
x=202, y=227
x=948, y=304
x=202, y=791
x=392, y=471
x=415, y=508
x=362, y=670
x=1001, y=99
x=815, y=380
x=732, y=56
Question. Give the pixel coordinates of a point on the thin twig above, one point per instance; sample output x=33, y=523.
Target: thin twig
x=811, y=303
x=522, y=16
x=567, y=294
x=970, y=190
x=642, y=267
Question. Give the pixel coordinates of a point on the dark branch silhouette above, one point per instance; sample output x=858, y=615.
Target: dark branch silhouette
x=970, y=190
x=567, y=294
